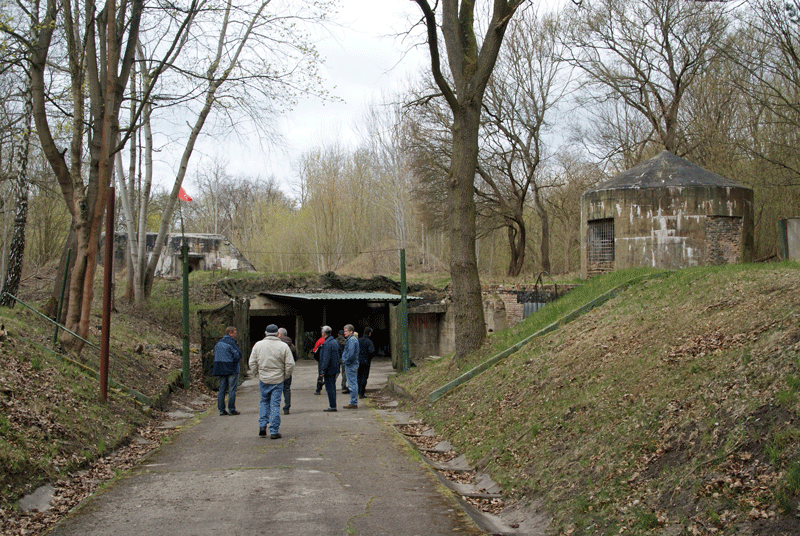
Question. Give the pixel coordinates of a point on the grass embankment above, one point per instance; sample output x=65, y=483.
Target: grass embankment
x=51, y=422
x=672, y=408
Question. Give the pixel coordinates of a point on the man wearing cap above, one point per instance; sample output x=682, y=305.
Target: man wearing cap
x=272, y=360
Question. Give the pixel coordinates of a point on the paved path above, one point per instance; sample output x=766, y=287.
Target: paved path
x=344, y=473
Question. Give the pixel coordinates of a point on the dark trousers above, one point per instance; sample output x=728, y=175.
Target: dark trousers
x=287, y=393
x=330, y=388
x=363, y=374
x=320, y=383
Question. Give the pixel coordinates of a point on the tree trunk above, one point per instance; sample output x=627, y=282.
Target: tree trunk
x=516, y=242
x=467, y=300
x=17, y=253
x=544, y=247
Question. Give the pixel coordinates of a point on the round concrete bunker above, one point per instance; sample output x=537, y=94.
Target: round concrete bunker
x=665, y=213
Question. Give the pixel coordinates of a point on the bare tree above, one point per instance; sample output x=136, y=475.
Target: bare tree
x=324, y=178
x=527, y=83
x=647, y=54
x=575, y=174
x=240, y=52
x=387, y=137
x=100, y=54
x=471, y=64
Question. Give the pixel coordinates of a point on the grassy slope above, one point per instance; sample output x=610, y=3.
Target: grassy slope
x=673, y=408
x=51, y=422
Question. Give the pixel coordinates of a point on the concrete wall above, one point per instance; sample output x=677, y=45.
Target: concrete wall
x=206, y=253
x=675, y=227
x=793, y=238
x=494, y=313
x=423, y=334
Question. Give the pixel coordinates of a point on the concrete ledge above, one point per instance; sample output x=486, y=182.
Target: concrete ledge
x=395, y=388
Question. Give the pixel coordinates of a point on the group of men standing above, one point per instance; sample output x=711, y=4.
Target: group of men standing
x=355, y=356
x=273, y=359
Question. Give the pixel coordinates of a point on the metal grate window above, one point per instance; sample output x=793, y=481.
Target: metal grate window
x=601, y=241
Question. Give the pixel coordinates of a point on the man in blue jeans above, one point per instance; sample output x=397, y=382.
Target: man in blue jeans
x=350, y=362
x=226, y=365
x=272, y=360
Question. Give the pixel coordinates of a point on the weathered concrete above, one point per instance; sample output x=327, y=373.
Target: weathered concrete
x=331, y=473
x=665, y=213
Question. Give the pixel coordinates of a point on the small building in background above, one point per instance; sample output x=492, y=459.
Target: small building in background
x=665, y=213
x=207, y=252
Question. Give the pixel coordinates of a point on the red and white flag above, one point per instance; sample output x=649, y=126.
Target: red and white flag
x=183, y=195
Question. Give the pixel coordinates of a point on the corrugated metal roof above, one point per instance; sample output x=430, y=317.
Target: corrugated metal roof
x=360, y=296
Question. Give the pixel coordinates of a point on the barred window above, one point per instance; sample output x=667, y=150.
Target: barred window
x=601, y=241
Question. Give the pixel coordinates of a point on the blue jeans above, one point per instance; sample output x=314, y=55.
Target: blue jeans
x=351, y=371
x=287, y=393
x=270, y=411
x=227, y=383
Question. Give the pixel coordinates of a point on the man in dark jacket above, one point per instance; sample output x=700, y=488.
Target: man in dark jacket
x=329, y=366
x=226, y=365
x=366, y=351
x=287, y=384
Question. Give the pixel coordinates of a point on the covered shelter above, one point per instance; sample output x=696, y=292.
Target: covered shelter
x=303, y=314
x=665, y=213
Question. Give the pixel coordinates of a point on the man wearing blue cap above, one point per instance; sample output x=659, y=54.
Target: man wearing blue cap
x=272, y=360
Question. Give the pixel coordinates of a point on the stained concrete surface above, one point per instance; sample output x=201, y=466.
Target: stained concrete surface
x=330, y=474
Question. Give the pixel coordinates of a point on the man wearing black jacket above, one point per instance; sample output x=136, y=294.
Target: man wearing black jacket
x=329, y=365
x=366, y=351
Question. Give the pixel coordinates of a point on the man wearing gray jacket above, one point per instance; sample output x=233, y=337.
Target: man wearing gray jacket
x=272, y=360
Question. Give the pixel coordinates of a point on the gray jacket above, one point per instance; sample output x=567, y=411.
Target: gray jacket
x=272, y=360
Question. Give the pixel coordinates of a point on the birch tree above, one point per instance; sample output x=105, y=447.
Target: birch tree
x=15, y=149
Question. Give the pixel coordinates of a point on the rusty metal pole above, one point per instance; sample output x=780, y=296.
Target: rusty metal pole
x=405, y=362
x=108, y=269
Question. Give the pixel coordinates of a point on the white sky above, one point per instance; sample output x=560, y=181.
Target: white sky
x=363, y=60
x=366, y=58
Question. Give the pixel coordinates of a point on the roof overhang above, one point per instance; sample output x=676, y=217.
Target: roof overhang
x=339, y=296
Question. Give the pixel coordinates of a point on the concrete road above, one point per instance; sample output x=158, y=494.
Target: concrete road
x=344, y=473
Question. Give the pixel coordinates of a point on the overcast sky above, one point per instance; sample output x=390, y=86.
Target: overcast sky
x=363, y=60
